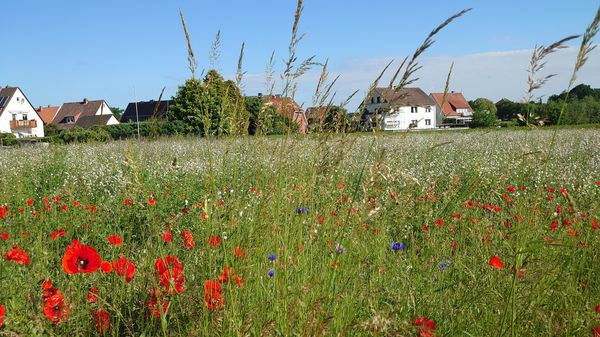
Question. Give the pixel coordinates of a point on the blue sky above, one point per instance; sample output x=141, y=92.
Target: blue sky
x=62, y=51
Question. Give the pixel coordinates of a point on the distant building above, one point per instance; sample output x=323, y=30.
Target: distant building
x=142, y=111
x=286, y=106
x=17, y=115
x=456, y=110
x=84, y=114
x=393, y=109
x=47, y=113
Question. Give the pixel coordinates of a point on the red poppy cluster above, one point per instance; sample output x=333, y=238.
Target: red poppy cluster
x=426, y=326
x=124, y=267
x=212, y=295
x=55, y=309
x=170, y=274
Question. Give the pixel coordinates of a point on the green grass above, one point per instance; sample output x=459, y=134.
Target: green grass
x=370, y=191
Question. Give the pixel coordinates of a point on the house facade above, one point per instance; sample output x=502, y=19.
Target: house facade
x=84, y=114
x=17, y=115
x=400, y=109
x=455, y=112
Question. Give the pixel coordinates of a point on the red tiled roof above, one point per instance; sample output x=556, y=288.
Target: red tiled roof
x=454, y=101
x=285, y=106
x=47, y=113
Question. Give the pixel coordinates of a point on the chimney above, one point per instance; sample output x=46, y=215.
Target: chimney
x=85, y=101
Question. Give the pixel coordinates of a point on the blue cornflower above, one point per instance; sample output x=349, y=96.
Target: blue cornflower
x=302, y=210
x=272, y=257
x=339, y=248
x=397, y=246
x=442, y=266
x=271, y=272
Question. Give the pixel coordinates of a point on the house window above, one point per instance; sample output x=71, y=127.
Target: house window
x=428, y=122
x=413, y=109
x=69, y=120
x=372, y=100
x=24, y=117
x=378, y=99
x=428, y=109
x=414, y=123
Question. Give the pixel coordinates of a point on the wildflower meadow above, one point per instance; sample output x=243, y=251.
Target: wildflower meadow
x=473, y=233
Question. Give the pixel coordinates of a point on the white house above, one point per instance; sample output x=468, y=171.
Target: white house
x=456, y=110
x=17, y=115
x=407, y=108
x=84, y=114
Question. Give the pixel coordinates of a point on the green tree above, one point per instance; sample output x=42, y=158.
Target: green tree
x=484, y=114
x=117, y=112
x=211, y=107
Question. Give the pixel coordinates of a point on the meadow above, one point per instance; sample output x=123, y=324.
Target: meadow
x=477, y=233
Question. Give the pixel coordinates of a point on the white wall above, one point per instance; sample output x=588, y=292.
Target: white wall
x=400, y=118
x=19, y=106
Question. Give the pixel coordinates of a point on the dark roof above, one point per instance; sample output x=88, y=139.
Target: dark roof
x=145, y=110
x=504, y=100
x=405, y=96
x=454, y=101
x=89, y=121
x=7, y=92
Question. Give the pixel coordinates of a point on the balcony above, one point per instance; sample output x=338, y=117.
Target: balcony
x=26, y=124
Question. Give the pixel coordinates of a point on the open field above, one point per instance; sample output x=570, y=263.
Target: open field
x=447, y=234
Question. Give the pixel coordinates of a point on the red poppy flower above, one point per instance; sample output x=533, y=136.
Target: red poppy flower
x=188, y=239
x=597, y=309
x=3, y=211
x=76, y=203
x=496, y=262
x=151, y=201
x=106, y=267
x=594, y=225
x=596, y=331
x=102, y=320
x=57, y=233
x=511, y=189
x=124, y=267
x=425, y=228
x=2, y=314
x=424, y=322
x=80, y=258
x=4, y=236
x=154, y=307
x=226, y=275
x=92, y=296
x=55, y=309
x=127, y=202
x=212, y=295
x=239, y=252
x=170, y=272
x=167, y=237
x=214, y=240
x=439, y=222
x=30, y=202
x=17, y=255
x=115, y=240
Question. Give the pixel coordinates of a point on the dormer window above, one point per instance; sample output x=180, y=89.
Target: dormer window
x=428, y=109
x=378, y=99
x=69, y=120
x=372, y=100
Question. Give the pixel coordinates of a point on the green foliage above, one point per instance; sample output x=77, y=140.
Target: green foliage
x=117, y=112
x=264, y=120
x=507, y=110
x=211, y=107
x=7, y=139
x=484, y=113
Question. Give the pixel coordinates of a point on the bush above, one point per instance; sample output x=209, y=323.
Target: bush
x=7, y=139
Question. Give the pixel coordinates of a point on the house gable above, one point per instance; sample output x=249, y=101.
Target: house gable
x=17, y=115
